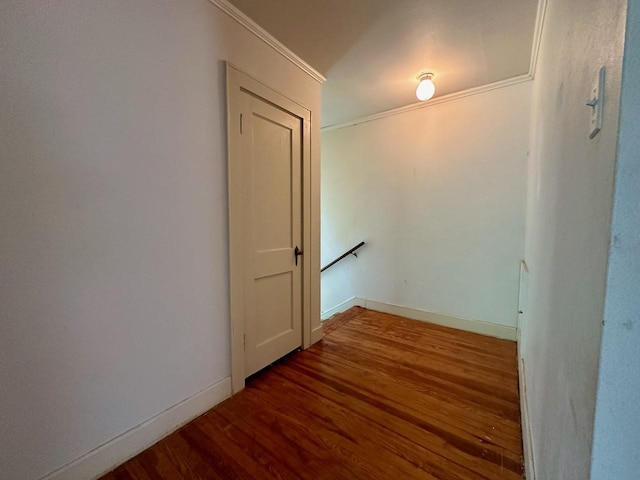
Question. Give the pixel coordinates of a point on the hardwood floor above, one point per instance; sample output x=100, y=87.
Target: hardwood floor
x=381, y=397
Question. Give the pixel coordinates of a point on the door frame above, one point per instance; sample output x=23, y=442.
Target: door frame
x=238, y=82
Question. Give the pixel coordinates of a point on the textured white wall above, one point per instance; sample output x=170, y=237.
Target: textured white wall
x=568, y=214
x=113, y=245
x=616, y=433
x=438, y=194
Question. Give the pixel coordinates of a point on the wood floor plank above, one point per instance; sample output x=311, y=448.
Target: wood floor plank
x=347, y=445
x=475, y=346
x=431, y=383
x=431, y=346
x=472, y=454
x=379, y=438
x=245, y=447
x=486, y=427
x=381, y=397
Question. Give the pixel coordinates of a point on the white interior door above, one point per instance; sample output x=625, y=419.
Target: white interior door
x=271, y=139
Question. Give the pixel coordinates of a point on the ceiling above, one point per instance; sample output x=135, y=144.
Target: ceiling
x=372, y=51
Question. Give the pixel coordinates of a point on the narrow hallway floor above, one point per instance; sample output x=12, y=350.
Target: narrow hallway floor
x=381, y=397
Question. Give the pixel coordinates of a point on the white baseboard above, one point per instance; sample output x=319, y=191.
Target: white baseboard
x=106, y=457
x=343, y=307
x=475, y=326
x=527, y=441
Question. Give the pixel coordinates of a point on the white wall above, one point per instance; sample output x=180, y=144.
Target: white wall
x=569, y=204
x=113, y=245
x=617, y=423
x=438, y=194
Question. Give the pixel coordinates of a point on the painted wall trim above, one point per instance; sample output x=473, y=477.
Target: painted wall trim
x=527, y=438
x=267, y=38
x=537, y=37
x=343, y=307
x=436, y=101
x=469, y=325
x=118, y=450
x=316, y=334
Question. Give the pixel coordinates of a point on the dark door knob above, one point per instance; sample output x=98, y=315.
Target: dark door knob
x=297, y=252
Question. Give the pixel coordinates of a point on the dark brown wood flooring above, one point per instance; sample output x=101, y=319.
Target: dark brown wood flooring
x=381, y=397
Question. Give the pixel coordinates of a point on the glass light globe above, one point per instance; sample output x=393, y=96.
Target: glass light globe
x=426, y=88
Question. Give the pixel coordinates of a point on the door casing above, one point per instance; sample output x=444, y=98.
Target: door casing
x=238, y=82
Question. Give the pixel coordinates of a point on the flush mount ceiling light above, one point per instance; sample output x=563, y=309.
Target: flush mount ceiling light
x=426, y=87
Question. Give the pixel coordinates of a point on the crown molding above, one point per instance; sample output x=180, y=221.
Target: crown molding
x=267, y=38
x=436, y=101
x=535, y=49
x=537, y=36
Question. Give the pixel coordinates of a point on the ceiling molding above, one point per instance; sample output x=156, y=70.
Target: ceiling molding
x=267, y=38
x=537, y=36
x=436, y=101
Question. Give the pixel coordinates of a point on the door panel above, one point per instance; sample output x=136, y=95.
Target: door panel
x=272, y=156
x=273, y=301
x=272, y=173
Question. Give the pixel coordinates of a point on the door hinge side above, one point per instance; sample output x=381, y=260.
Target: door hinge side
x=244, y=342
x=241, y=124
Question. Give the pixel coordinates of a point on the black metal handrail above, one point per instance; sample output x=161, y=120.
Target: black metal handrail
x=346, y=254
